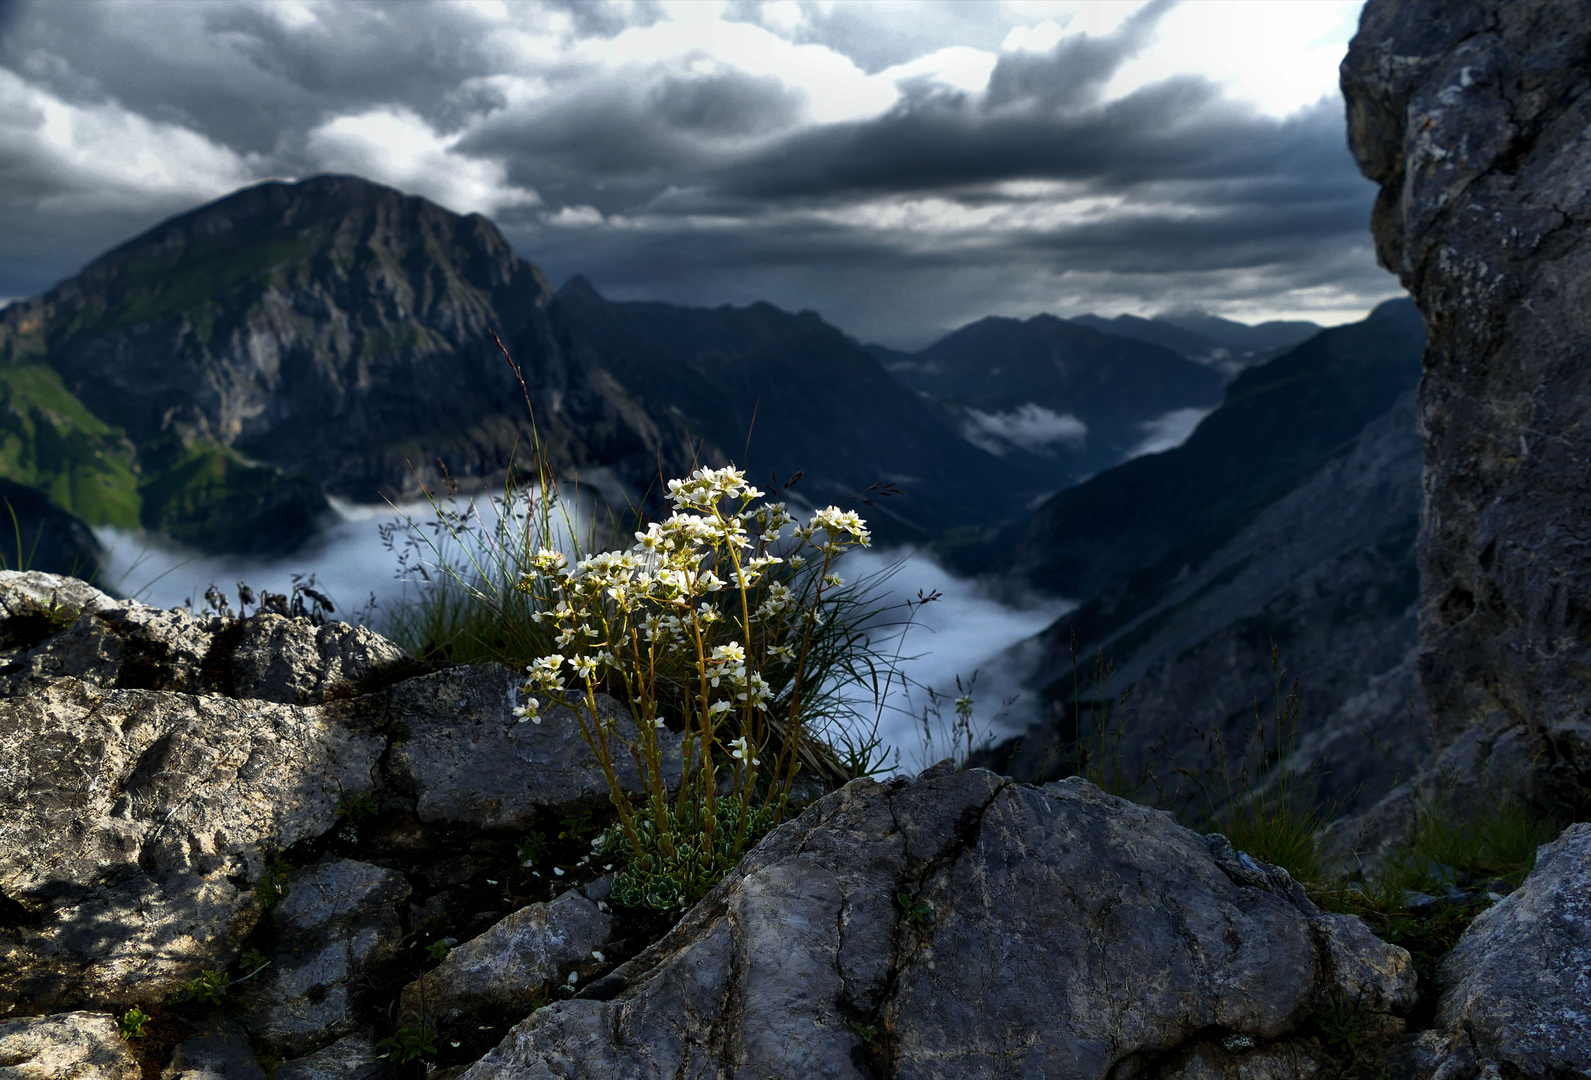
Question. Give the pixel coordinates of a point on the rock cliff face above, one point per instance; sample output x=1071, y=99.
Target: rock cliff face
x=1472, y=118
x=296, y=850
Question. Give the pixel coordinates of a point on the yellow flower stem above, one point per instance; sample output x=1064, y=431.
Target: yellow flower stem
x=792, y=729
x=709, y=778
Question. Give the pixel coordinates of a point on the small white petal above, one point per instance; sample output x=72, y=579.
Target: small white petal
x=558, y=870
x=574, y=977
x=597, y=956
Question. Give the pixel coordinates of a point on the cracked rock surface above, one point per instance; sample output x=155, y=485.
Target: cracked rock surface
x=1472, y=118
x=77, y=1045
x=956, y=926
x=338, y=922
x=1519, y=981
x=137, y=823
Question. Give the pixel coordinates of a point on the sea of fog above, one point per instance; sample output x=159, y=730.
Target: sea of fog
x=366, y=559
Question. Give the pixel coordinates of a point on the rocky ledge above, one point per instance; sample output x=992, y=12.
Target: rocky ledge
x=250, y=847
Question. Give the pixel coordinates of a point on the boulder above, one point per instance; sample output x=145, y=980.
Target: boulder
x=218, y=1051
x=352, y=1057
x=65, y=1046
x=1519, y=981
x=138, y=824
x=516, y=961
x=963, y=926
x=1471, y=117
x=468, y=760
x=336, y=925
x=128, y=645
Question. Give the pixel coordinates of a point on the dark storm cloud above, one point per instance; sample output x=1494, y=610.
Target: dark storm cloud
x=714, y=181
x=245, y=78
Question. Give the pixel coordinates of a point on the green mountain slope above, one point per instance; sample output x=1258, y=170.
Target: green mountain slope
x=210, y=378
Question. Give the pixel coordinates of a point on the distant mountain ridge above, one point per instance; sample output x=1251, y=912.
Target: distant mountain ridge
x=1079, y=398
x=1222, y=344
x=780, y=393
x=210, y=378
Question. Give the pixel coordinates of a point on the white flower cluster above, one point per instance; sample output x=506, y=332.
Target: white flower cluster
x=663, y=597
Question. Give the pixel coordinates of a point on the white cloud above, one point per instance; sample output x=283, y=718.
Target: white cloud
x=574, y=217
x=1278, y=57
x=958, y=67
x=396, y=147
x=1168, y=432
x=1029, y=427
x=104, y=157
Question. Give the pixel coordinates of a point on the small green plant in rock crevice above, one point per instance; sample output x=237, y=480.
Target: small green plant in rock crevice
x=917, y=912
x=131, y=1024
x=666, y=881
x=207, y=988
x=211, y=984
x=273, y=886
x=357, y=808
x=410, y=1042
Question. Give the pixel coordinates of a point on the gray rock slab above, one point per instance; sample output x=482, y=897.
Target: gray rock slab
x=512, y=963
x=352, y=1057
x=1038, y=926
x=65, y=1046
x=1361, y=967
x=469, y=761
x=218, y=1051
x=1471, y=117
x=138, y=823
x=25, y=590
x=131, y=646
x=292, y=660
x=1519, y=980
x=338, y=921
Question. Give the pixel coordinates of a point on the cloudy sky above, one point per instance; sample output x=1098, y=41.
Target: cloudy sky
x=901, y=167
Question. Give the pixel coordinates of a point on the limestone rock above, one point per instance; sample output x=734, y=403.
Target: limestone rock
x=1471, y=117
x=65, y=1046
x=291, y=660
x=337, y=923
x=219, y=1051
x=24, y=589
x=1361, y=966
x=352, y=1057
x=955, y=926
x=512, y=963
x=468, y=760
x=137, y=823
x=131, y=646
x=1519, y=981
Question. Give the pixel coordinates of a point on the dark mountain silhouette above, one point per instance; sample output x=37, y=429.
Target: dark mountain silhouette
x=1277, y=424
x=781, y=392
x=1228, y=347
x=1082, y=399
x=210, y=379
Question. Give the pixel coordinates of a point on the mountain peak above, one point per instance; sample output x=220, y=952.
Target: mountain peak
x=579, y=288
